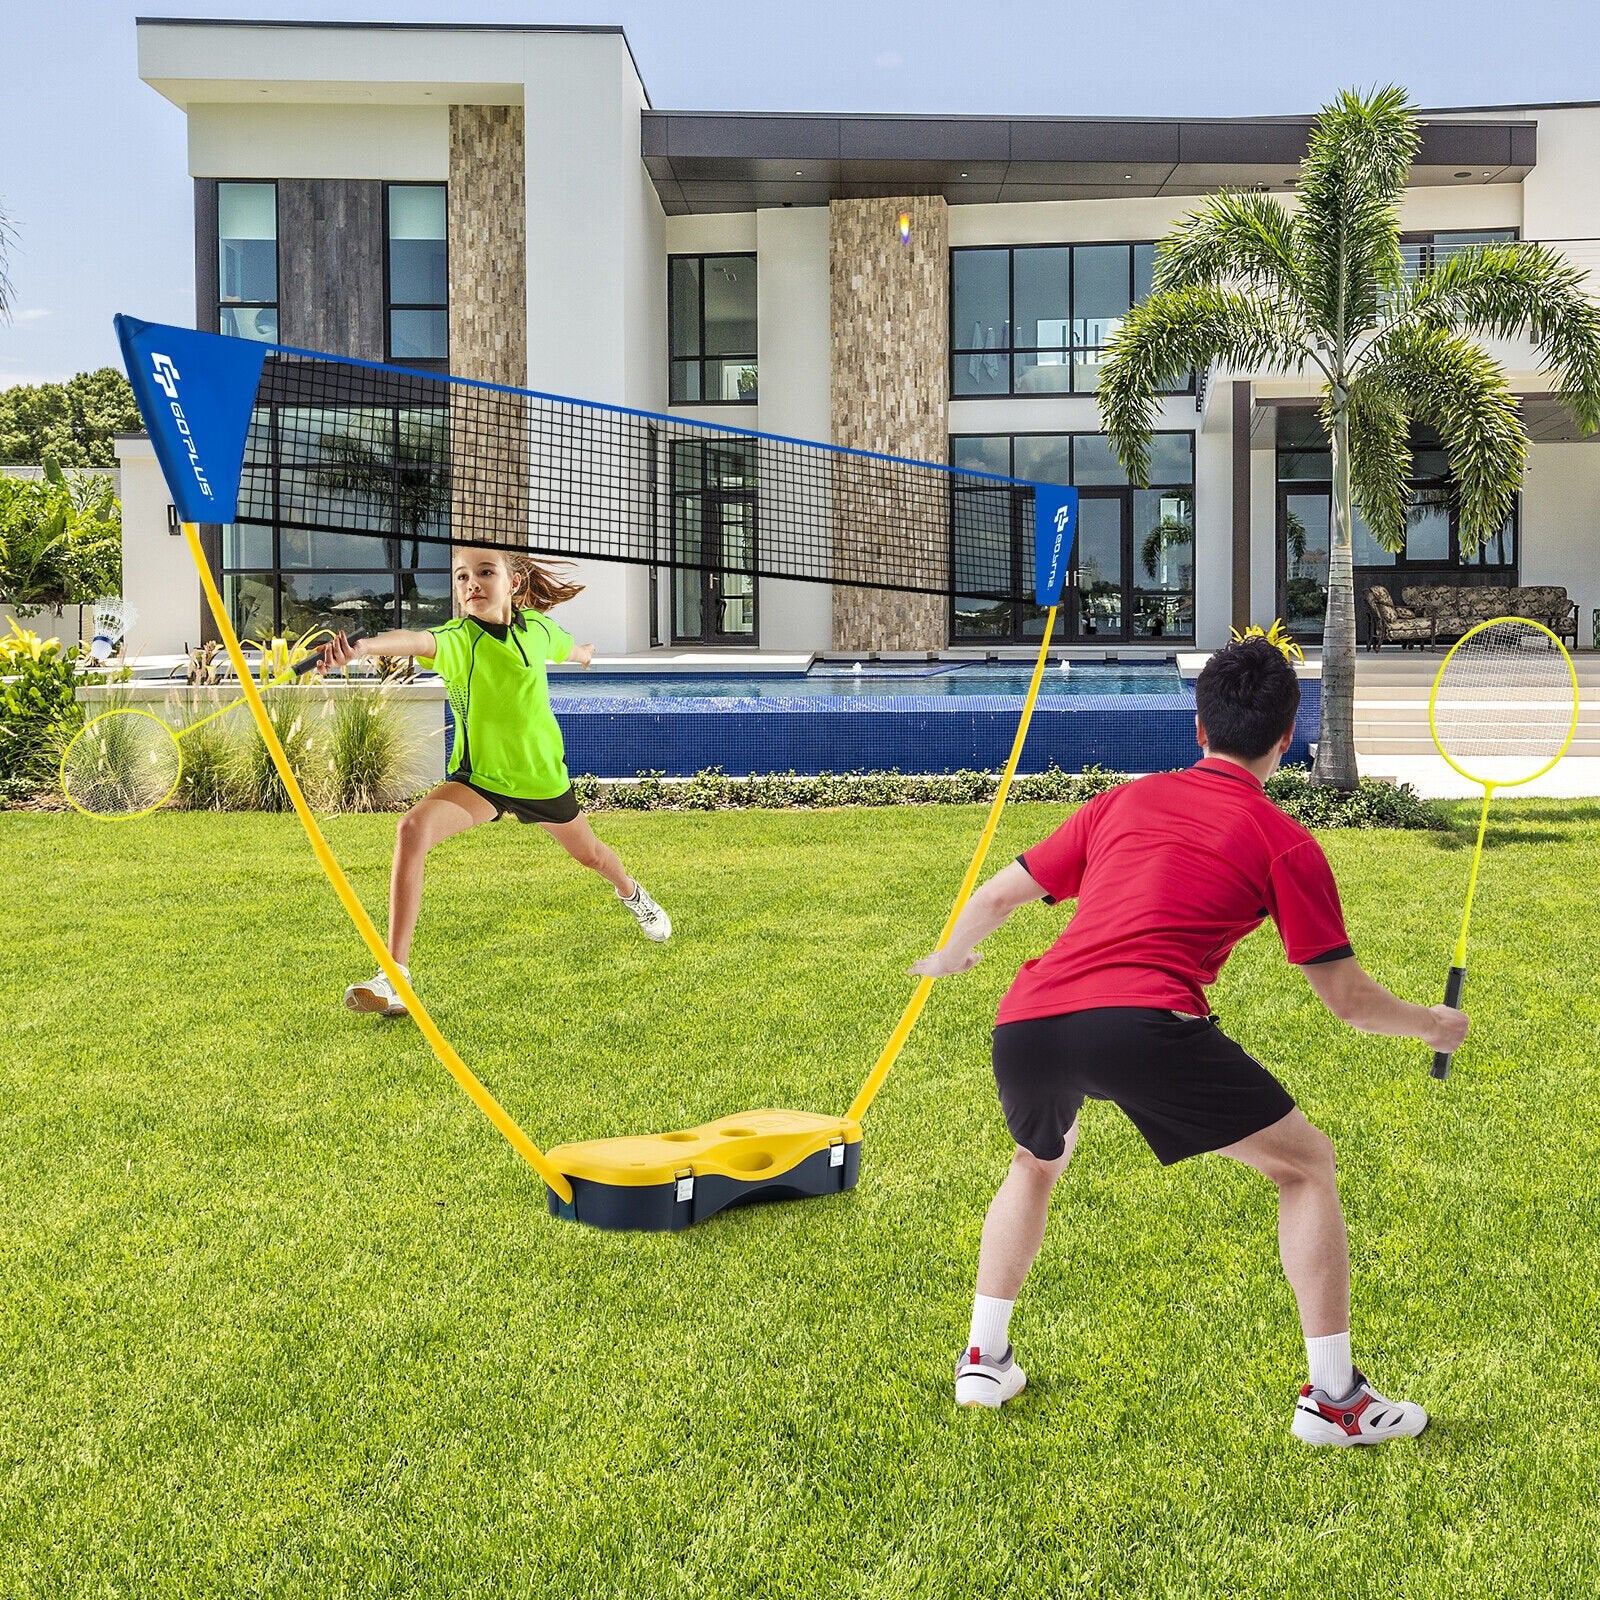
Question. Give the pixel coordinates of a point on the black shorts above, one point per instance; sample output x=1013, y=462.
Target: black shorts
x=559, y=808
x=1183, y=1083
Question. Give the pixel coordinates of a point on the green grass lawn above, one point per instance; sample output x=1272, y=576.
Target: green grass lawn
x=281, y=1314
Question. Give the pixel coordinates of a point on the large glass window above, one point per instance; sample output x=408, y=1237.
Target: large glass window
x=1432, y=552
x=419, y=275
x=711, y=329
x=1132, y=571
x=247, y=260
x=1036, y=319
x=312, y=478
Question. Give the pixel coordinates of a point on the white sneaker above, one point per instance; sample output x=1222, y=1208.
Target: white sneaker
x=376, y=994
x=1361, y=1417
x=654, y=923
x=988, y=1380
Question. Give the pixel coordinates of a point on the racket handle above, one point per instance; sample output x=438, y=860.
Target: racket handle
x=1452, y=998
x=306, y=663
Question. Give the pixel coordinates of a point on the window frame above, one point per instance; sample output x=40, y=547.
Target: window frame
x=273, y=305
x=702, y=359
x=391, y=305
x=1009, y=352
x=1402, y=570
x=1022, y=548
x=394, y=570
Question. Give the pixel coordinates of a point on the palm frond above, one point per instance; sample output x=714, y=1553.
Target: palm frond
x=1441, y=377
x=1380, y=459
x=1179, y=331
x=1235, y=236
x=1500, y=289
x=1347, y=228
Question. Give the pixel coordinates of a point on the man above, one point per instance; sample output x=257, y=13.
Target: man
x=1169, y=873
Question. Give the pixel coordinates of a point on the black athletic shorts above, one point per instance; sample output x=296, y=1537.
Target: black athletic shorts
x=560, y=808
x=1183, y=1083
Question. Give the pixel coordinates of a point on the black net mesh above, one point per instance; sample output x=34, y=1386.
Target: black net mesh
x=337, y=447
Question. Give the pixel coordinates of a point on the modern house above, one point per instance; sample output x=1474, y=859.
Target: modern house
x=505, y=203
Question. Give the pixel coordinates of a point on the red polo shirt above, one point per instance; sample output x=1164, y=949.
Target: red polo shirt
x=1170, y=872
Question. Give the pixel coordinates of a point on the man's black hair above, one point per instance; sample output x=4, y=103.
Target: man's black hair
x=1247, y=697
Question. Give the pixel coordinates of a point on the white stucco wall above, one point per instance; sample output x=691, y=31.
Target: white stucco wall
x=157, y=575
x=397, y=143
x=1560, y=537
x=793, y=358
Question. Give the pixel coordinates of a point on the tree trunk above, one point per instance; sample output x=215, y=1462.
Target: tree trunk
x=1335, y=765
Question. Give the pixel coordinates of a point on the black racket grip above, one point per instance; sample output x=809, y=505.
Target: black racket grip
x=1452, y=998
x=306, y=663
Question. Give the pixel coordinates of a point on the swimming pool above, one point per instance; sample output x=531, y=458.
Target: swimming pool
x=840, y=681
x=934, y=717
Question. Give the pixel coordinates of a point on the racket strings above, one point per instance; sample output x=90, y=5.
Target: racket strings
x=122, y=763
x=1505, y=703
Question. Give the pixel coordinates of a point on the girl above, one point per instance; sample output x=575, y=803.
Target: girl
x=507, y=758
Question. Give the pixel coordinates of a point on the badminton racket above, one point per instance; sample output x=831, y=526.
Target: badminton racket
x=126, y=763
x=1503, y=711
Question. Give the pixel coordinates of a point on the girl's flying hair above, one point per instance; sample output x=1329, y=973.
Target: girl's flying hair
x=535, y=583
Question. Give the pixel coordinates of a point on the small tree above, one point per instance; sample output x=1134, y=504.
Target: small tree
x=1244, y=283
x=60, y=540
x=74, y=423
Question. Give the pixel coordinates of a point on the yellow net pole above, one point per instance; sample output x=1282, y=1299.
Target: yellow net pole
x=453, y=1064
x=908, y=1018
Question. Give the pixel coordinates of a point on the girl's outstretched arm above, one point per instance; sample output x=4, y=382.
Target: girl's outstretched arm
x=341, y=652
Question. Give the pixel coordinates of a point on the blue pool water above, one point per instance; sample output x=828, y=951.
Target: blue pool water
x=918, y=717
x=835, y=681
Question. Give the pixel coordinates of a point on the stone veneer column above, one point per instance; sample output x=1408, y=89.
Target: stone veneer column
x=488, y=320
x=889, y=346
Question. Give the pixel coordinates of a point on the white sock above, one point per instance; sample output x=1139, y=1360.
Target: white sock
x=1331, y=1370
x=991, y=1325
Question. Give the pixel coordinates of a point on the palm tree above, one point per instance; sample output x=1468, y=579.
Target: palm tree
x=8, y=237
x=1245, y=283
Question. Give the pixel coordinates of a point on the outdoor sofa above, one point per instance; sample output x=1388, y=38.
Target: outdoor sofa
x=1439, y=613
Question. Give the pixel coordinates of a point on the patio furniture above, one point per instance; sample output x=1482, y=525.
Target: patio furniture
x=1392, y=624
x=1451, y=609
x=1455, y=609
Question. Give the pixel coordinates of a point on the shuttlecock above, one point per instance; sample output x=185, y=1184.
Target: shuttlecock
x=113, y=616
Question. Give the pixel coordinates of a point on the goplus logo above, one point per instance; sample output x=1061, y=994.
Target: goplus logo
x=1063, y=517
x=166, y=376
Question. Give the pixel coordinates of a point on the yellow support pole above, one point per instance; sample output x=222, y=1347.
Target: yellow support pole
x=457, y=1068
x=908, y=1018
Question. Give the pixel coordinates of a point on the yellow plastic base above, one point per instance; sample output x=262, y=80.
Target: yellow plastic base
x=670, y=1181
x=753, y=1144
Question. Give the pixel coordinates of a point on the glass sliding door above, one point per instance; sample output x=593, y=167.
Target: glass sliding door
x=1305, y=515
x=714, y=533
x=1099, y=568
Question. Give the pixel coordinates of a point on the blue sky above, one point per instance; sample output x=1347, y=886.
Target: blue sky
x=92, y=165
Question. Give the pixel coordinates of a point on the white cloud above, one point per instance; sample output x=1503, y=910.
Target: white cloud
x=29, y=316
x=888, y=60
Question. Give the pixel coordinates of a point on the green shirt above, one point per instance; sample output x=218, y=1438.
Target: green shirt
x=507, y=739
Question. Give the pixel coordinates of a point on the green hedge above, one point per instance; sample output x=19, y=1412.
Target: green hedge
x=1373, y=805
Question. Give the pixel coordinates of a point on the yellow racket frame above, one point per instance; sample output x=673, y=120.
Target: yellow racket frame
x=1490, y=785
x=176, y=735
x=120, y=816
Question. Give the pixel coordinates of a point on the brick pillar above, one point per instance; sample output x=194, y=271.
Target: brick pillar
x=488, y=322
x=889, y=339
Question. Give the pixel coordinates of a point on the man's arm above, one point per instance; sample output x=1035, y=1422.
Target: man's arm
x=989, y=907
x=1354, y=997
